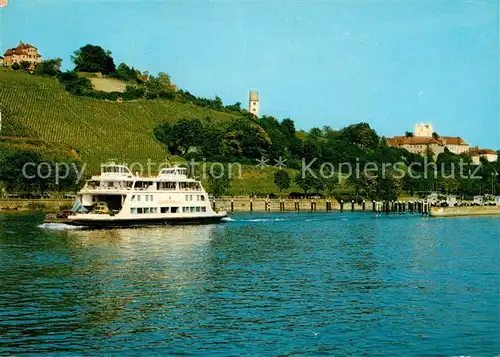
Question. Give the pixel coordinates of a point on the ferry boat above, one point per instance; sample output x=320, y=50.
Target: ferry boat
x=117, y=198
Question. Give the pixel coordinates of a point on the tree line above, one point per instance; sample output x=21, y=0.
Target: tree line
x=397, y=171
x=30, y=173
x=139, y=84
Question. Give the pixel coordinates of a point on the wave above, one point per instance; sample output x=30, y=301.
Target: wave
x=263, y=220
x=57, y=226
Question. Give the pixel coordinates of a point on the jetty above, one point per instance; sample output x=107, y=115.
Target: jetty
x=458, y=211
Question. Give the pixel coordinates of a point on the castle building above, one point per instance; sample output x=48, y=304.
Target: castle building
x=22, y=53
x=476, y=154
x=423, y=140
x=253, y=103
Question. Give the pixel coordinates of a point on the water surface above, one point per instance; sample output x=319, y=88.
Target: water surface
x=262, y=284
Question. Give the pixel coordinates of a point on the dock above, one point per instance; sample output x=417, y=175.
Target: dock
x=461, y=211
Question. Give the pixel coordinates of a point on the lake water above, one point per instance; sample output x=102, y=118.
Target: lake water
x=262, y=284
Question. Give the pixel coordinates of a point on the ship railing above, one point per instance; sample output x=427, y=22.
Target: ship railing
x=98, y=188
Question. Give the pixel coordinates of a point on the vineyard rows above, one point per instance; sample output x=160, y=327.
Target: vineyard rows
x=40, y=108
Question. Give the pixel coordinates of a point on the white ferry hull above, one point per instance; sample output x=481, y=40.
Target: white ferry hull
x=111, y=222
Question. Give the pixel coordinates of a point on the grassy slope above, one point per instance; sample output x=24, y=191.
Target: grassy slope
x=40, y=108
x=108, y=84
x=55, y=121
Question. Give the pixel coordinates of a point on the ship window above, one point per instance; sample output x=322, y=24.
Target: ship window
x=197, y=209
x=147, y=198
x=133, y=211
x=164, y=209
x=139, y=210
x=151, y=198
x=174, y=209
x=146, y=210
x=203, y=198
x=203, y=209
x=165, y=186
x=138, y=198
x=133, y=198
x=154, y=210
x=191, y=209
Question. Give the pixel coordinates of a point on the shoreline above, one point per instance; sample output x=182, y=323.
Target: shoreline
x=248, y=205
x=22, y=205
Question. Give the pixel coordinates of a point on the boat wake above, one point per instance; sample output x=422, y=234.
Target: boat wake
x=58, y=226
x=263, y=220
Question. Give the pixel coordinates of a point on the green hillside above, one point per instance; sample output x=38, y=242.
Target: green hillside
x=40, y=108
x=38, y=114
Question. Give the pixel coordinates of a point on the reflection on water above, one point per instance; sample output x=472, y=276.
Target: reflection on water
x=346, y=284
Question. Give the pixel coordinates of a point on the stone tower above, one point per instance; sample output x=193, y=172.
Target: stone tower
x=423, y=130
x=253, y=103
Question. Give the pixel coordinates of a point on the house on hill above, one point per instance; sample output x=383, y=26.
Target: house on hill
x=476, y=154
x=22, y=53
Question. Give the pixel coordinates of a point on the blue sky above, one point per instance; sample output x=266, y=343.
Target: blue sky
x=390, y=64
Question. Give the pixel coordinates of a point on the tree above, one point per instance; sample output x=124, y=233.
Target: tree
x=282, y=180
x=316, y=133
x=318, y=184
x=75, y=84
x=435, y=135
x=387, y=187
x=25, y=65
x=163, y=133
x=90, y=58
x=305, y=182
x=409, y=134
x=361, y=135
x=159, y=87
x=15, y=66
x=126, y=74
x=331, y=183
x=50, y=67
x=246, y=138
x=236, y=107
x=12, y=173
x=186, y=134
x=218, y=180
